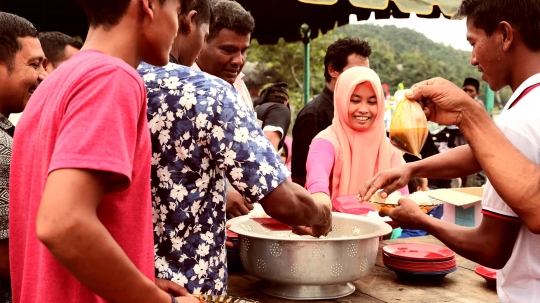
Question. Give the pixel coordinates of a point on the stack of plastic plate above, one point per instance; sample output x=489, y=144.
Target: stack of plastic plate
x=487, y=273
x=424, y=262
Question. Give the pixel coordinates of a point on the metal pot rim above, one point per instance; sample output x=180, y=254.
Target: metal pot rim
x=383, y=229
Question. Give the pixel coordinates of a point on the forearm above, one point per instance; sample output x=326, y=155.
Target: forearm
x=455, y=163
x=467, y=242
x=105, y=269
x=514, y=176
x=301, y=209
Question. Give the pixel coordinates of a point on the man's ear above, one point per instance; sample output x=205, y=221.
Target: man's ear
x=187, y=23
x=507, y=33
x=148, y=7
x=332, y=71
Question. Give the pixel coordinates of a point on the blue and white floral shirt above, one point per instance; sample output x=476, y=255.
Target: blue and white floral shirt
x=200, y=132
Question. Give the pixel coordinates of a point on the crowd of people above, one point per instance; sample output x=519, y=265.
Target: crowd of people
x=135, y=147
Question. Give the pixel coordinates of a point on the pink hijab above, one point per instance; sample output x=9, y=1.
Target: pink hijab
x=359, y=155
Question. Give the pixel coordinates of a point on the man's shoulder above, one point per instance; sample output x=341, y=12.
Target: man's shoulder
x=172, y=75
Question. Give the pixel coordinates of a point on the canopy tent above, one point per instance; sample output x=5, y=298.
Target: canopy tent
x=276, y=19
x=292, y=20
x=295, y=20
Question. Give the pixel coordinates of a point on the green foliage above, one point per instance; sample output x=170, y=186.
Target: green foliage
x=400, y=55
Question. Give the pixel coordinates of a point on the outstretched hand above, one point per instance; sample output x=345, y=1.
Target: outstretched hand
x=389, y=180
x=317, y=230
x=406, y=215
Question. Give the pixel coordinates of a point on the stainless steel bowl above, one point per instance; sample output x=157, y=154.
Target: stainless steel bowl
x=307, y=268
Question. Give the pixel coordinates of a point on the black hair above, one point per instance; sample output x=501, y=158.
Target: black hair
x=413, y=184
x=337, y=54
x=274, y=93
x=202, y=7
x=11, y=28
x=230, y=15
x=54, y=45
x=521, y=14
x=106, y=13
x=473, y=82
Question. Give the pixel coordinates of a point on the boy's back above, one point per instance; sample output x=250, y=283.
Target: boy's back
x=89, y=114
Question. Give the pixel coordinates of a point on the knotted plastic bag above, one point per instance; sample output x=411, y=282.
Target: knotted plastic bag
x=408, y=128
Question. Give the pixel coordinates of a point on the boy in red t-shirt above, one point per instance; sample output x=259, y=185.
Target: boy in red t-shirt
x=80, y=209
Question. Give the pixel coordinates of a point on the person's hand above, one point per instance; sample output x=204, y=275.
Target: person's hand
x=406, y=215
x=321, y=229
x=171, y=288
x=389, y=180
x=228, y=241
x=187, y=300
x=322, y=198
x=443, y=102
x=236, y=205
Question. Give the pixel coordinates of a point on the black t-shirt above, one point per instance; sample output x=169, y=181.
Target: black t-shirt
x=315, y=117
x=276, y=115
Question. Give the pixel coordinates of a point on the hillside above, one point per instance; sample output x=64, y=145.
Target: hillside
x=400, y=55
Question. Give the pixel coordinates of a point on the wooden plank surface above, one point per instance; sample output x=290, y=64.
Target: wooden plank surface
x=382, y=285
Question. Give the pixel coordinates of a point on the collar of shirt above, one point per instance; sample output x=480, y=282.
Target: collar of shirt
x=534, y=79
x=6, y=125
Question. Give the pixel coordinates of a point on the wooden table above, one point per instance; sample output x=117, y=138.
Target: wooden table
x=382, y=285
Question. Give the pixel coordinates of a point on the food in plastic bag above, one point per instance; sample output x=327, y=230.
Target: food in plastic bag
x=408, y=128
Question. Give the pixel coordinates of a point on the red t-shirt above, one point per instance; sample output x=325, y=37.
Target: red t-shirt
x=89, y=114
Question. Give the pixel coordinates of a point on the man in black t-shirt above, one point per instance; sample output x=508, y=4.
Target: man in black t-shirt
x=273, y=113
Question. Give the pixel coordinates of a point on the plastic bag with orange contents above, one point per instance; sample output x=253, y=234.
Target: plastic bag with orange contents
x=408, y=128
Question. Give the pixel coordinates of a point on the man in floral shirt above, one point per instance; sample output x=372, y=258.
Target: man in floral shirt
x=201, y=132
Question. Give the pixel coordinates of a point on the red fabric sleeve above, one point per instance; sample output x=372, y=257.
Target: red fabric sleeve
x=98, y=130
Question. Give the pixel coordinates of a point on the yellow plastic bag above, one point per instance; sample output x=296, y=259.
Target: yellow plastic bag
x=408, y=128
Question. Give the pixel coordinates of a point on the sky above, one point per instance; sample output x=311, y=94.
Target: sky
x=449, y=32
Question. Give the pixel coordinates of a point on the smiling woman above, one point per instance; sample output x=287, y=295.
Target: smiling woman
x=355, y=147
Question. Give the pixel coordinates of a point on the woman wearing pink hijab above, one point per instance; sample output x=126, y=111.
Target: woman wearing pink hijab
x=355, y=147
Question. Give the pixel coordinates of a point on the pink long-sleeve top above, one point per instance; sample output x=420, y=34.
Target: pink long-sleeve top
x=319, y=166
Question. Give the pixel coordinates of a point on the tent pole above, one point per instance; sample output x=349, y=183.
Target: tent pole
x=490, y=96
x=306, y=33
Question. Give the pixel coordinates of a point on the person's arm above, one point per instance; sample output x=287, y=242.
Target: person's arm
x=504, y=165
x=67, y=224
x=236, y=205
x=257, y=172
x=451, y=164
x=300, y=208
x=276, y=121
x=319, y=165
x=304, y=130
x=274, y=137
x=490, y=244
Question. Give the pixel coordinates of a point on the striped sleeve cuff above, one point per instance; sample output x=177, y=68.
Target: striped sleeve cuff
x=500, y=216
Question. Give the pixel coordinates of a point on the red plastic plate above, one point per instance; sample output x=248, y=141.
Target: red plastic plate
x=486, y=272
x=420, y=252
x=272, y=224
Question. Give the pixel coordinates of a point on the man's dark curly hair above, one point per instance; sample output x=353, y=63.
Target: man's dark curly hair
x=230, y=15
x=337, y=54
x=54, y=45
x=11, y=28
x=521, y=14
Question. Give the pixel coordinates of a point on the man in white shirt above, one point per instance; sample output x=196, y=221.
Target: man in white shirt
x=505, y=36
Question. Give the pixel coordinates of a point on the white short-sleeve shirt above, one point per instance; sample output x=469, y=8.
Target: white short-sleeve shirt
x=519, y=280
